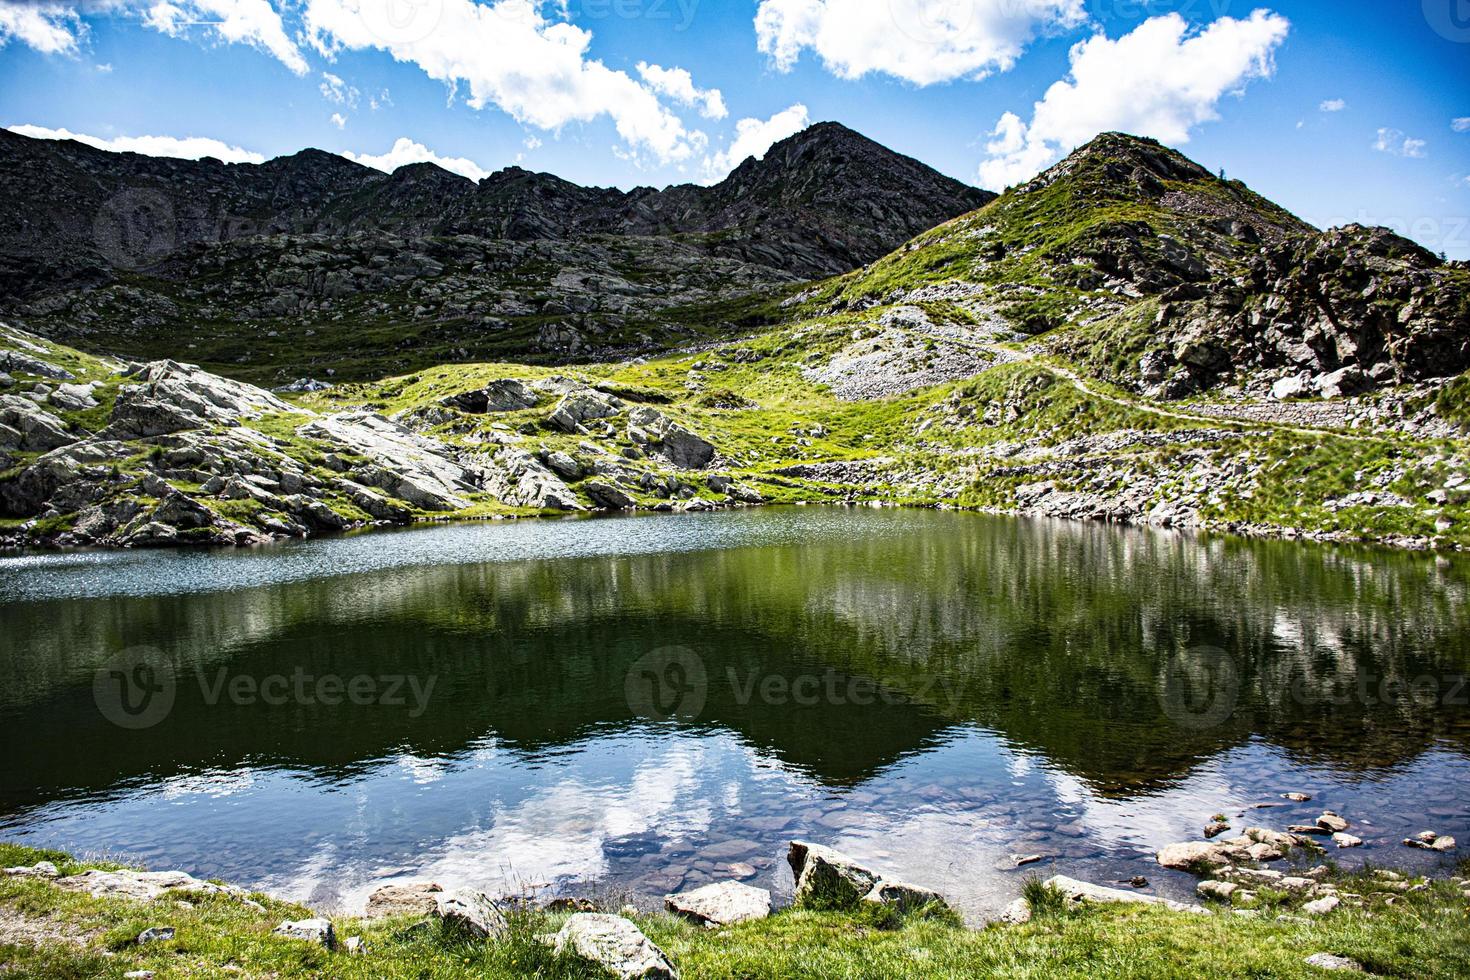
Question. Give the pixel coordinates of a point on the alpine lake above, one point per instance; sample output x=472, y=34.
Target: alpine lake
x=638, y=705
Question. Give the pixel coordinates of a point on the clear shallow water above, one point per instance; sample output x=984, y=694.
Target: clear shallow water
x=638, y=703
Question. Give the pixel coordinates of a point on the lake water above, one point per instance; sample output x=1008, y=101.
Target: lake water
x=638, y=705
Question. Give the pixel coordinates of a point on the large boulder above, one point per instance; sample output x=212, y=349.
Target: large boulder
x=171, y=397
x=26, y=426
x=616, y=944
x=504, y=395
x=662, y=436
x=1082, y=891
x=414, y=468
x=517, y=478
x=826, y=878
x=581, y=406
x=17, y=362
x=722, y=903
x=421, y=898
x=471, y=912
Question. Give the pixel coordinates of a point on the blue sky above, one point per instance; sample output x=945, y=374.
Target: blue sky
x=1340, y=111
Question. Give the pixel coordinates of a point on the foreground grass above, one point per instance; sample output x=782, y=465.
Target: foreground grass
x=1426, y=934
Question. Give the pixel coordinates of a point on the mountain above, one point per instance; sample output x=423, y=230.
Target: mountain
x=1031, y=356
x=819, y=202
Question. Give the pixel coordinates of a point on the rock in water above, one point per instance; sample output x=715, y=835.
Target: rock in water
x=471, y=912
x=1331, y=822
x=616, y=944
x=721, y=903
x=309, y=930
x=1193, y=855
x=826, y=878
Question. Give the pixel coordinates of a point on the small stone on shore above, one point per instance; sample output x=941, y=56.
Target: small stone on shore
x=1331, y=961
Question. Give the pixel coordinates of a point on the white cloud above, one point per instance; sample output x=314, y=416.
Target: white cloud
x=508, y=54
x=1461, y=125
x=50, y=28
x=532, y=142
x=336, y=91
x=1394, y=141
x=187, y=148
x=678, y=84
x=920, y=41
x=339, y=120
x=1161, y=80
x=1333, y=105
x=406, y=151
x=753, y=137
x=253, y=22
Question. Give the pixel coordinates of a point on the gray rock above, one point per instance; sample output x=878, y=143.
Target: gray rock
x=309, y=930
x=41, y=869
x=155, y=934
x=173, y=397
x=417, y=899
x=720, y=904
x=1322, y=905
x=144, y=885
x=616, y=944
x=518, y=479
x=581, y=406
x=19, y=363
x=504, y=395
x=1331, y=961
x=416, y=469
x=1082, y=891
x=660, y=435
x=73, y=398
x=827, y=878
x=608, y=496
x=471, y=912
x=1218, y=890
x=26, y=426
x=1193, y=855
x=563, y=465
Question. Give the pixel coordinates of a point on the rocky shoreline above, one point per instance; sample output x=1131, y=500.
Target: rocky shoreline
x=1234, y=880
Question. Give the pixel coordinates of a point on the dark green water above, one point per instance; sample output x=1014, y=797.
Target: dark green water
x=639, y=703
